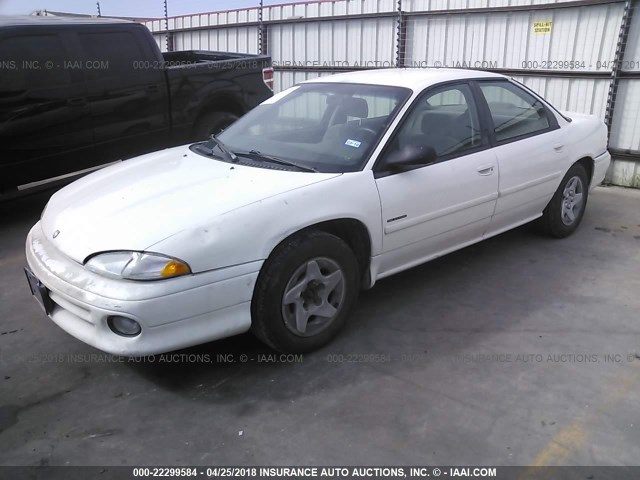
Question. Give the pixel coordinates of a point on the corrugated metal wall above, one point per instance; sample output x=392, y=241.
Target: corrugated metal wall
x=584, y=35
x=625, y=132
x=570, y=66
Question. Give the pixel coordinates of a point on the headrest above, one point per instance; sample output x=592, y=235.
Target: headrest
x=354, y=107
x=430, y=122
x=436, y=122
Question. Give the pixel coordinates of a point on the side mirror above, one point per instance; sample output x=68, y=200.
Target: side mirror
x=410, y=157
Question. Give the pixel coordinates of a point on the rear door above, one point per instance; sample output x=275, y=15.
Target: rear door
x=127, y=91
x=530, y=149
x=45, y=125
x=440, y=207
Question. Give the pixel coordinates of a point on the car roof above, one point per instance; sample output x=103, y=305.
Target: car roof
x=413, y=78
x=34, y=20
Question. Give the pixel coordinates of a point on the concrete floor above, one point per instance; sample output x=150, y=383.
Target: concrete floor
x=493, y=355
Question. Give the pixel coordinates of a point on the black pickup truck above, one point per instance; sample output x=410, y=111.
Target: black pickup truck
x=76, y=94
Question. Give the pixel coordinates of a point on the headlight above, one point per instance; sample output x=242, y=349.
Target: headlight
x=137, y=265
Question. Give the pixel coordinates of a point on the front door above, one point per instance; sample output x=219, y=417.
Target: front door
x=45, y=123
x=437, y=208
x=127, y=95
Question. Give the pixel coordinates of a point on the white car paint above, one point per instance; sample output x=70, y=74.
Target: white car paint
x=438, y=215
x=162, y=193
x=224, y=220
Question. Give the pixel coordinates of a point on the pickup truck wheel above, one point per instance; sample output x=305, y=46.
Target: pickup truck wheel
x=564, y=212
x=305, y=292
x=212, y=124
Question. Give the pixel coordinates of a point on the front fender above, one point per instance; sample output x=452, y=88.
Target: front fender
x=251, y=232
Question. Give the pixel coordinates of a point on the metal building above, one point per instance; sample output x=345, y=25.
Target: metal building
x=582, y=55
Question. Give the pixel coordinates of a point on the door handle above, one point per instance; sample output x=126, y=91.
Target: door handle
x=558, y=148
x=485, y=170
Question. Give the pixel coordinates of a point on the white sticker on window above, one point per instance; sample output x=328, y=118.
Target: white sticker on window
x=353, y=143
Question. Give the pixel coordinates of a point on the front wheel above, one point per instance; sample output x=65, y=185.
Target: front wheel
x=566, y=209
x=305, y=292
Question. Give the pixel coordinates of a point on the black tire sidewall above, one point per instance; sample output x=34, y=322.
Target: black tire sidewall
x=266, y=306
x=552, y=214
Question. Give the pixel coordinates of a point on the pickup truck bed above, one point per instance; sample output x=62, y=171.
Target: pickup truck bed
x=234, y=83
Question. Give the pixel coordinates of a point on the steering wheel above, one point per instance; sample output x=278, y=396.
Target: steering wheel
x=368, y=133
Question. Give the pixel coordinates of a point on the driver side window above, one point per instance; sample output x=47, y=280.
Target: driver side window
x=445, y=120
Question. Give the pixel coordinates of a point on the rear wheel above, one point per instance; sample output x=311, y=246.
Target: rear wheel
x=305, y=292
x=212, y=124
x=566, y=209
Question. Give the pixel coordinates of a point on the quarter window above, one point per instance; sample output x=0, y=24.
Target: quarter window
x=514, y=112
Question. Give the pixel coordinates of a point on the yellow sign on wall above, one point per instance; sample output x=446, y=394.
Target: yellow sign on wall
x=542, y=27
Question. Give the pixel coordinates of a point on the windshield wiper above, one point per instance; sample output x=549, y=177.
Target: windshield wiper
x=226, y=153
x=272, y=159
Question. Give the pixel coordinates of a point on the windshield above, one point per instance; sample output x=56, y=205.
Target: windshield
x=325, y=127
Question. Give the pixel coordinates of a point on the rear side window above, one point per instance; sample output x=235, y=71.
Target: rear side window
x=33, y=62
x=515, y=113
x=113, y=54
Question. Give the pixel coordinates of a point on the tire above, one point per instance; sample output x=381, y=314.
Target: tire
x=212, y=124
x=289, y=287
x=564, y=212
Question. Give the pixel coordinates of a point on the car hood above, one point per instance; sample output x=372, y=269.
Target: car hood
x=139, y=202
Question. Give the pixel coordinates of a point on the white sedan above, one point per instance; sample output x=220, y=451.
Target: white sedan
x=275, y=224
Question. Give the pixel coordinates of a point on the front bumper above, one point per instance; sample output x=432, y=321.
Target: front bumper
x=173, y=313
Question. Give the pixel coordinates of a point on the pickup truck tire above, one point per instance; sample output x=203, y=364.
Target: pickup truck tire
x=312, y=278
x=212, y=124
x=564, y=212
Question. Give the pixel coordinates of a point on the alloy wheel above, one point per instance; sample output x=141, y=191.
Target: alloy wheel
x=313, y=296
x=572, y=200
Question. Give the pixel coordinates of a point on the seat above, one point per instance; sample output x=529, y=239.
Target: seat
x=350, y=107
x=445, y=131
